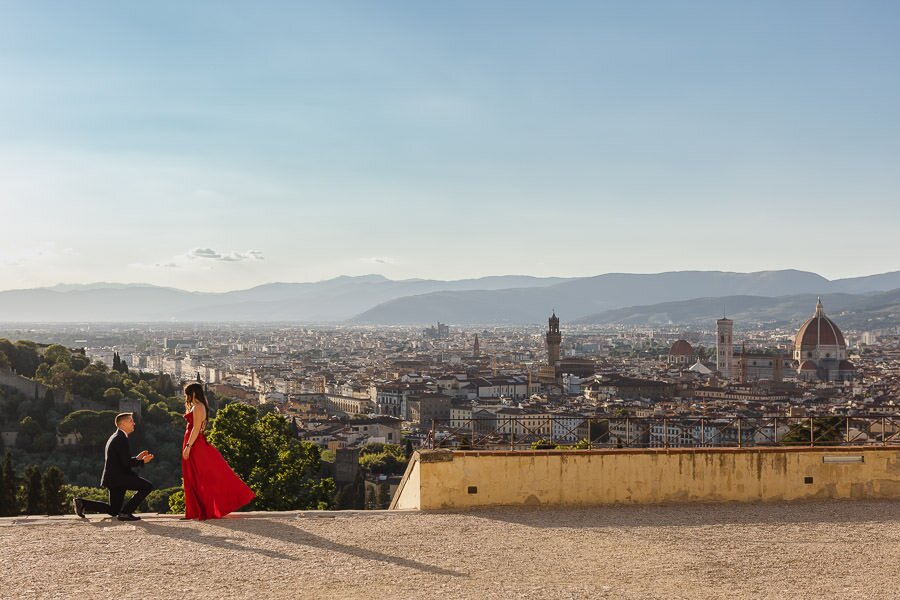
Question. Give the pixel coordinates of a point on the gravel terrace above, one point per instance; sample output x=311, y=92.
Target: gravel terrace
x=799, y=550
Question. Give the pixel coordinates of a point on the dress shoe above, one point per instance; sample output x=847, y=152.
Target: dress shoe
x=127, y=517
x=78, y=505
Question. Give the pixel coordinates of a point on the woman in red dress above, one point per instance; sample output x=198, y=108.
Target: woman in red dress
x=211, y=488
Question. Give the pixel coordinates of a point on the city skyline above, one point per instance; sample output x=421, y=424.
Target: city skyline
x=218, y=147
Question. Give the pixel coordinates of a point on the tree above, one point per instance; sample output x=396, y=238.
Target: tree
x=826, y=431
x=113, y=395
x=281, y=470
x=94, y=427
x=116, y=361
x=384, y=495
x=408, y=449
x=10, y=485
x=34, y=491
x=54, y=496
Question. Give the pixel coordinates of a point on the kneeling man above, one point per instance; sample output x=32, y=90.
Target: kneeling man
x=118, y=477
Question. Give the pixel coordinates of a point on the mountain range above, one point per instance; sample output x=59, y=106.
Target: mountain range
x=681, y=296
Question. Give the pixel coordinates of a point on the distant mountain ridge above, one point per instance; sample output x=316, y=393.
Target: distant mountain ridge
x=374, y=299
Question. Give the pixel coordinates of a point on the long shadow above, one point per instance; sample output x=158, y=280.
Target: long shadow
x=285, y=531
x=694, y=514
x=198, y=537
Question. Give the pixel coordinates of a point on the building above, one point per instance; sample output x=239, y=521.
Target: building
x=681, y=353
x=725, y=347
x=820, y=351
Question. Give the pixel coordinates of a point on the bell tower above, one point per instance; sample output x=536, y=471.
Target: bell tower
x=554, y=338
x=724, y=347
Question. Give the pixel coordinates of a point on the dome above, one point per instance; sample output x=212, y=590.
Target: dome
x=819, y=330
x=681, y=348
x=807, y=365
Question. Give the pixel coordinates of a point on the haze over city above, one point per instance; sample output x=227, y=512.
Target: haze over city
x=215, y=147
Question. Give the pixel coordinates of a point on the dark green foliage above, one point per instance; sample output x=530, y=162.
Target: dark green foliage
x=88, y=493
x=408, y=449
x=352, y=496
x=10, y=484
x=93, y=427
x=158, y=500
x=54, y=496
x=282, y=470
x=383, y=500
x=826, y=431
x=33, y=491
x=386, y=459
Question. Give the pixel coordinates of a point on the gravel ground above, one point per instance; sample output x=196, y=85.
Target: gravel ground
x=797, y=550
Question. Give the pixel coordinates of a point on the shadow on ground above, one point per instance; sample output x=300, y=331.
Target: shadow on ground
x=281, y=531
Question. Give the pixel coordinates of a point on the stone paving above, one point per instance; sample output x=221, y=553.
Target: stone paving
x=797, y=550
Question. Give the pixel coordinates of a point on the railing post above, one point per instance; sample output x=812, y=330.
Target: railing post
x=512, y=435
x=847, y=433
x=702, y=432
x=740, y=435
x=812, y=433
x=883, y=432
x=432, y=435
x=471, y=433
x=666, y=432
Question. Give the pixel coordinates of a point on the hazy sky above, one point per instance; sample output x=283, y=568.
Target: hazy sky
x=220, y=145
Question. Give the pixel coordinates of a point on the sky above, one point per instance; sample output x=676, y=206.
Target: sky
x=221, y=145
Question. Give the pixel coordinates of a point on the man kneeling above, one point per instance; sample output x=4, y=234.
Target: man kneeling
x=118, y=477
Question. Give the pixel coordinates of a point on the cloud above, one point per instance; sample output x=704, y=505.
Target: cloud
x=210, y=254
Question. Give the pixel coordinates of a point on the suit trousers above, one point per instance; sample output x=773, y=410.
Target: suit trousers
x=142, y=488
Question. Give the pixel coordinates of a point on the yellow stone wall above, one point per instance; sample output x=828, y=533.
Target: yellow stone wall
x=442, y=479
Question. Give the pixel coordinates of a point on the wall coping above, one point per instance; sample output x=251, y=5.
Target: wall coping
x=691, y=450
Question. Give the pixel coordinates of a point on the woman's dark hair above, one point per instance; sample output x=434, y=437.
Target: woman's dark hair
x=194, y=391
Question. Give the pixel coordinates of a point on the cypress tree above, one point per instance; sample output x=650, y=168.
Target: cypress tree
x=54, y=498
x=34, y=491
x=8, y=490
x=115, y=364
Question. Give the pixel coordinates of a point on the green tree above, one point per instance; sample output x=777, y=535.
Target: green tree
x=281, y=470
x=113, y=395
x=4, y=360
x=93, y=427
x=408, y=449
x=34, y=491
x=56, y=354
x=826, y=431
x=10, y=485
x=384, y=495
x=54, y=495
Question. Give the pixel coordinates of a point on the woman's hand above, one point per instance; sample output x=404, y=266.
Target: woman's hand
x=186, y=452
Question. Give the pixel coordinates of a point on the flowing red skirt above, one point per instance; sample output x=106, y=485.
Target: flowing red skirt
x=211, y=488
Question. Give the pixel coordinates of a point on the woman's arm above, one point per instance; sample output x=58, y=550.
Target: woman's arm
x=199, y=419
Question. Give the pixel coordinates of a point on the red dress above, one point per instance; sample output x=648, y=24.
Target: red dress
x=211, y=488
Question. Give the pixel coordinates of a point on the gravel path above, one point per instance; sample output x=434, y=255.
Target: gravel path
x=797, y=550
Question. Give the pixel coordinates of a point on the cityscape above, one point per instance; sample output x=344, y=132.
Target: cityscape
x=476, y=300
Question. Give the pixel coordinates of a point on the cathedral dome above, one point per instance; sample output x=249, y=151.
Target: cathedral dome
x=807, y=365
x=818, y=331
x=681, y=348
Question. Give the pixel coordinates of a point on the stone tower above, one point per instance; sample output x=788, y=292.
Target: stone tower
x=724, y=347
x=554, y=339
x=476, y=351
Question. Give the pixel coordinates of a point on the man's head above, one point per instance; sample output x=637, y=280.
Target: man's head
x=125, y=422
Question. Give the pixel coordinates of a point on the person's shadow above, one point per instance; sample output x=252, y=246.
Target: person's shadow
x=282, y=530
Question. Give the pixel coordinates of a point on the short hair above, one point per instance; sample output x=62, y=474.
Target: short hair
x=122, y=416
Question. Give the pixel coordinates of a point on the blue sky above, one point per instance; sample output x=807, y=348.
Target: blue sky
x=220, y=145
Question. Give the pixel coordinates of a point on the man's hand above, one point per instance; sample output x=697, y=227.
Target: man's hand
x=142, y=454
x=145, y=456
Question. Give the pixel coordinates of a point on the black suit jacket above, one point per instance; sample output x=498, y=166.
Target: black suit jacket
x=117, y=471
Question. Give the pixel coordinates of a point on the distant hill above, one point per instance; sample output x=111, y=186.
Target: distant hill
x=332, y=300
x=850, y=310
x=374, y=299
x=577, y=298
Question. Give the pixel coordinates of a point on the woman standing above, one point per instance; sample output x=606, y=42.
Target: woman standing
x=211, y=488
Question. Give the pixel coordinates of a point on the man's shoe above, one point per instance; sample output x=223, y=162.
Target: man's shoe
x=127, y=517
x=78, y=505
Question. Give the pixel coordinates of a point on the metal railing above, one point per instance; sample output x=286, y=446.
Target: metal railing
x=556, y=431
